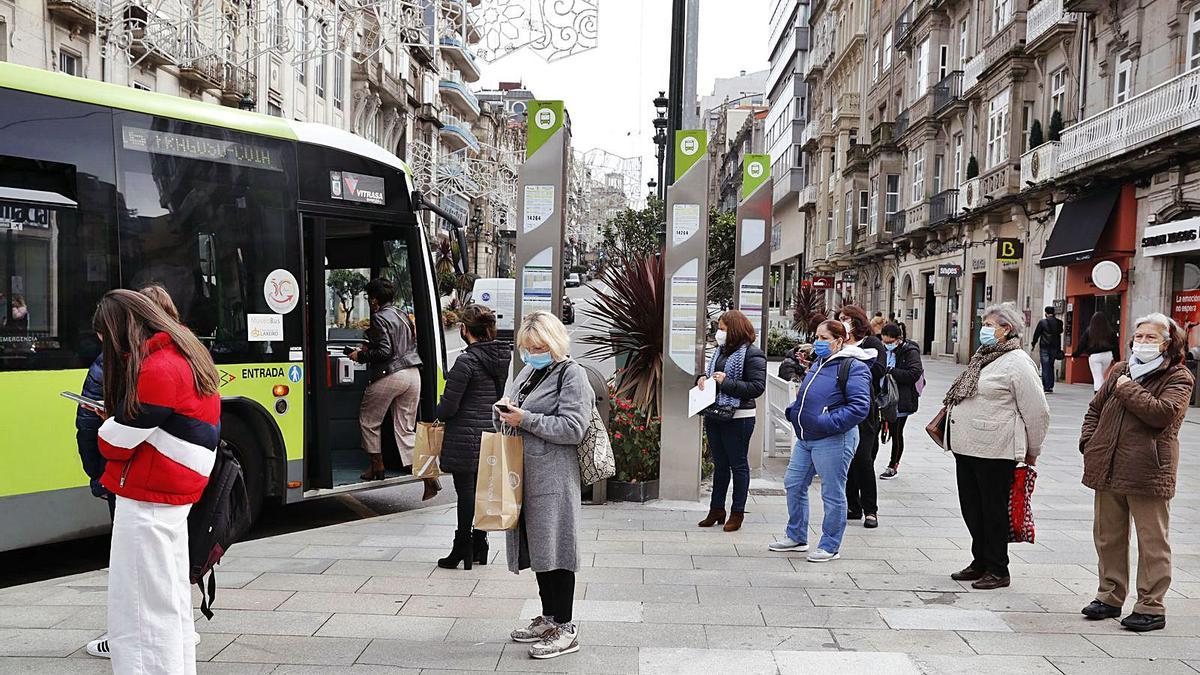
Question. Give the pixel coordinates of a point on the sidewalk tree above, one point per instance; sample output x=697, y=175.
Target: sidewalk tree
x=346, y=285
x=633, y=232
x=722, y=241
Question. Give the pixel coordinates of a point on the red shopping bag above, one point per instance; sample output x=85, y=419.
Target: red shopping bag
x=1020, y=506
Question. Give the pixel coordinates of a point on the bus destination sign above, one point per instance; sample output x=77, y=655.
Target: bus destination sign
x=357, y=187
x=198, y=147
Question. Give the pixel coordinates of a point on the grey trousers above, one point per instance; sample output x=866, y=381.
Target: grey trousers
x=401, y=392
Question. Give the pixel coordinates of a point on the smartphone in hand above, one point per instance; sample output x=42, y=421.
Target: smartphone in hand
x=83, y=400
x=503, y=408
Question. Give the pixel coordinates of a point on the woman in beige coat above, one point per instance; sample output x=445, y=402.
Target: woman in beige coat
x=997, y=416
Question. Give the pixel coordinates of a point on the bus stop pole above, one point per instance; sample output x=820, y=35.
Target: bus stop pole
x=752, y=264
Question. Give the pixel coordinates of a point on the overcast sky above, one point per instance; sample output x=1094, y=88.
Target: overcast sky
x=609, y=90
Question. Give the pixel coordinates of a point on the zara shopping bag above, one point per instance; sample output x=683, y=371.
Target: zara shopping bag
x=427, y=451
x=1020, y=506
x=499, y=488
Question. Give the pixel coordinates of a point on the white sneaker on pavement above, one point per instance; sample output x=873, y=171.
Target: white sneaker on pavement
x=821, y=555
x=786, y=544
x=538, y=628
x=99, y=646
x=561, y=640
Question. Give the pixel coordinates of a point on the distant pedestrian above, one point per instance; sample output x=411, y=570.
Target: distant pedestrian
x=159, y=439
x=833, y=399
x=473, y=386
x=997, y=416
x=550, y=404
x=877, y=324
x=1130, y=446
x=1100, y=344
x=862, y=494
x=794, y=365
x=738, y=369
x=905, y=367
x=1047, y=337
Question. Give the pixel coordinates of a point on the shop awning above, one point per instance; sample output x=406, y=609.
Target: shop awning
x=1078, y=228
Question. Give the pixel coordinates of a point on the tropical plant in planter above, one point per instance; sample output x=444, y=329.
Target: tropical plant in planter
x=808, y=310
x=635, y=435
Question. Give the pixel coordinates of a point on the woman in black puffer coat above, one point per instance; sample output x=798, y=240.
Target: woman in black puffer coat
x=473, y=386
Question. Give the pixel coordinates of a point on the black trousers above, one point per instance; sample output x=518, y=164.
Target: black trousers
x=984, y=487
x=729, y=448
x=861, y=493
x=557, y=589
x=464, y=487
x=897, y=429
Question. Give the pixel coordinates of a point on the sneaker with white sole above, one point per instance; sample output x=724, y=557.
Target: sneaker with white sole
x=563, y=639
x=821, y=555
x=99, y=647
x=786, y=544
x=889, y=473
x=537, y=629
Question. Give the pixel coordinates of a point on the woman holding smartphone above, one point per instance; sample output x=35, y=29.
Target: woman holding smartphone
x=159, y=441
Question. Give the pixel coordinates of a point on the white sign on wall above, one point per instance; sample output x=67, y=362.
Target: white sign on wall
x=684, y=222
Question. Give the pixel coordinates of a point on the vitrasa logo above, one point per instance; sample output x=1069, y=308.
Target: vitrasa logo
x=357, y=187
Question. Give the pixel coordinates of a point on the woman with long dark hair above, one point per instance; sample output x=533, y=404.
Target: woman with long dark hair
x=862, y=493
x=738, y=368
x=159, y=440
x=1099, y=343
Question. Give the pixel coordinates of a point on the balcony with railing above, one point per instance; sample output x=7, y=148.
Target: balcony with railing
x=901, y=125
x=916, y=217
x=943, y=206
x=995, y=183
x=153, y=39
x=461, y=57
x=1043, y=18
x=846, y=105
x=856, y=158
x=904, y=23
x=948, y=92
x=1152, y=116
x=82, y=14
x=455, y=91
x=202, y=73
x=456, y=134
x=1039, y=164
x=238, y=84
x=1009, y=39
x=895, y=223
x=918, y=112
x=883, y=135
x=390, y=89
x=808, y=196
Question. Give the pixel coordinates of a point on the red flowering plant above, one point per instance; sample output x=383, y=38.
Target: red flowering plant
x=635, y=439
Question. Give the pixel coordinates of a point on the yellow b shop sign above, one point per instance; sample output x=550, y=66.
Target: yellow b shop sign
x=1010, y=250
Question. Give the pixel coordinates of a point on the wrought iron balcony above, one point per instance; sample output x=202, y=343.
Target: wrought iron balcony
x=1039, y=164
x=82, y=14
x=901, y=124
x=895, y=222
x=1164, y=111
x=903, y=24
x=237, y=83
x=202, y=73
x=1045, y=16
x=943, y=206
x=947, y=92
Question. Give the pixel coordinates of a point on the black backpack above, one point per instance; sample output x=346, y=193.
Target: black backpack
x=219, y=520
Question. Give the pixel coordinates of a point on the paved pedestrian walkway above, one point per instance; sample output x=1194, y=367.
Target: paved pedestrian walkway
x=659, y=595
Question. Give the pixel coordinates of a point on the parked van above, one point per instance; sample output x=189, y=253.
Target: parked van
x=498, y=295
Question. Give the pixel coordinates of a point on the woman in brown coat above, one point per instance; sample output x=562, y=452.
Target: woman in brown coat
x=1130, y=446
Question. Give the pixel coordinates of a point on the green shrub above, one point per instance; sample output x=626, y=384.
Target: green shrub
x=781, y=342
x=635, y=437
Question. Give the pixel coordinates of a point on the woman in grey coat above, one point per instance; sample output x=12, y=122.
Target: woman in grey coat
x=549, y=404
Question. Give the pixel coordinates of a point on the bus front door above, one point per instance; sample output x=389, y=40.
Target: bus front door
x=342, y=256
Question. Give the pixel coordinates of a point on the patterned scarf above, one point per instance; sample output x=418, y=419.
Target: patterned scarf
x=967, y=383
x=733, y=371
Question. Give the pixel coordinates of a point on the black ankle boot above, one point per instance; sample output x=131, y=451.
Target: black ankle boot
x=461, y=553
x=479, y=547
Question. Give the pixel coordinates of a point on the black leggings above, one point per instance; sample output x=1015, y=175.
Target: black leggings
x=464, y=486
x=897, y=430
x=557, y=588
x=861, y=493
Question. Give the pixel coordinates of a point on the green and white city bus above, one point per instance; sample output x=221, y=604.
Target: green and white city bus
x=252, y=223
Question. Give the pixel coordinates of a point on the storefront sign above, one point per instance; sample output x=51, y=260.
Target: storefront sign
x=1185, y=309
x=822, y=283
x=1106, y=275
x=849, y=277
x=1177, y=237
x=949, y=270
x=1010, y=250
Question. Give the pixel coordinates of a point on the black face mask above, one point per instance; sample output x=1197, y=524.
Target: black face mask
x=463, y=334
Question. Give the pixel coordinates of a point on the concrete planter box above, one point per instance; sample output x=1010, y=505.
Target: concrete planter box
x=620, y=491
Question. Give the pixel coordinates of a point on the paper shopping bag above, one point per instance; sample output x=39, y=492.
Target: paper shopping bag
x=427, y=452
x=498, y=489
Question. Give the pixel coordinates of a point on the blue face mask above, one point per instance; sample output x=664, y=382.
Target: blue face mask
x=821, y=348
x=891, y=346
x=537, y=361
x=987, y=335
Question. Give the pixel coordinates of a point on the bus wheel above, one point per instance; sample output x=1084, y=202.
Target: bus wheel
x=240, y=438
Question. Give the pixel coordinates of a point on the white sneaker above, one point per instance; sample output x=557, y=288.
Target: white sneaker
x=821, y=555
x=786, y=544
x=561, y=640
x=196, y=636
x=99, y=646
x=535, y=631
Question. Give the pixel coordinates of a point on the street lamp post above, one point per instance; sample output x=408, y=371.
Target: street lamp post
x=476, y=229
x=660, y=137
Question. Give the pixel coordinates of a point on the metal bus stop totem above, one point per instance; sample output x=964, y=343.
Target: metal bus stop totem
x=685, y=258
x=752, y=264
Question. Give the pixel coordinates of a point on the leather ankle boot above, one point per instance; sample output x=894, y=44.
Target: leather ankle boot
x=375, y=471
x=735, y=521
x=714, y=517
x=459, y=553
x=432, y=487
x=479, y=547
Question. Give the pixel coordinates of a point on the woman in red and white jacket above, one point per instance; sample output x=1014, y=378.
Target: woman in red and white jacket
x=160, y=439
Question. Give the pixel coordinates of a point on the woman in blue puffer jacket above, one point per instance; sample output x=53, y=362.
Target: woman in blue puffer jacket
x=834, y=398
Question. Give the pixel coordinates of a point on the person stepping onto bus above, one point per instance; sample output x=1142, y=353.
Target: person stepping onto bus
x=159, y=441
x=393, y=381
x=473, y=386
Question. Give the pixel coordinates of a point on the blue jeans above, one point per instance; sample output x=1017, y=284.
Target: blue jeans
x=1047, y=368
x=729, y=447
x=830, y=459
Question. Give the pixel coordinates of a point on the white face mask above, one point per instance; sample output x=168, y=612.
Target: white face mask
x=1146, y=352
x=721, y=338
x=849, y=328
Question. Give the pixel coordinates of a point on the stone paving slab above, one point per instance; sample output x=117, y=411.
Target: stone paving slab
x=656, y=594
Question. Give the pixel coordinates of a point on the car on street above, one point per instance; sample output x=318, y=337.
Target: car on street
x=574, y=280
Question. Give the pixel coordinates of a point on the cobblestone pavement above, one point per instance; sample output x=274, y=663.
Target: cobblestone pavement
x=658, y=595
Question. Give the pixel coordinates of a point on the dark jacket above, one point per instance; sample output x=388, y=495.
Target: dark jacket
x=1089, y=345
x=391, y=344
x=753, y=381
x=1130, y=436
x=907, y=372
x=821, y=409
x=1048, y=334
x=87, y=424
x=791, y=369
x=473, y=385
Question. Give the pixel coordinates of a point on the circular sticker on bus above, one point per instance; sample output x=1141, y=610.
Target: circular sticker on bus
x=486, y=297
x=281, y=291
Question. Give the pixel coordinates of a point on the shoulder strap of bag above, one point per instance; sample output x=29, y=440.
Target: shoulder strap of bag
x=844, y=375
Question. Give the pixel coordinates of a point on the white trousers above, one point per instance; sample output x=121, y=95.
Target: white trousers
x=1099, y=363
x=150, y=624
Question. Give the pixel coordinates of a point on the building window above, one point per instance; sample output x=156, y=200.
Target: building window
x=274, y=109
x=1001, y=14
x=1122, y=84
x=849, y=216
x=922, y=66
x=875, y=62
x=917, y=165
x=958, y=159
x=302, y=28
x=3, y=40
x=69, y=63
x=1058, y=91
x=1026, y=121
x=1193, y=39
x=887, y=49
x=339, y=79
x=997, y=130
x=873, y=207
x=141, y=87
x=938, y=160
x=832, y=236
x=891, y=201
x=962, y=43
x=943, y=62
x=864, y=208
x=319, y=69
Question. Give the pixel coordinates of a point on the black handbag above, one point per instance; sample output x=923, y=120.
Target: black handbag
x=719, y=413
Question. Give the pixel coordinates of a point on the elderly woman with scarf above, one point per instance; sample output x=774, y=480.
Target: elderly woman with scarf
x=1130, y=446
x=739, y=370
x=997, y=415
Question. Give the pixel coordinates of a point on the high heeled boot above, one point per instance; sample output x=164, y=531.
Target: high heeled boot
x=432, y=487
x=735, y=521
x=375, y=471
x=714, y=517
x=479, y=547
x=461, y=553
